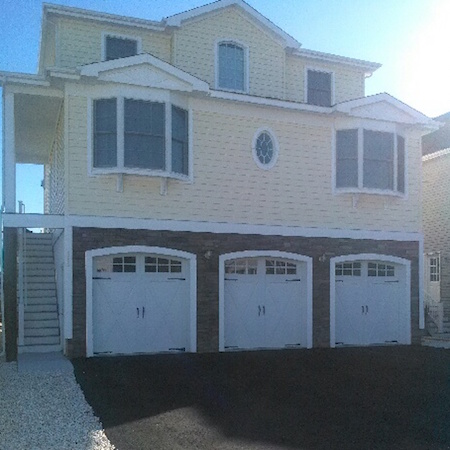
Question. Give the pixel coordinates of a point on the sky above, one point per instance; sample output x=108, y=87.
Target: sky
x=410, y=38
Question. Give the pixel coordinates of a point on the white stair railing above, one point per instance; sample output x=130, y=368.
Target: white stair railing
x=435, y=310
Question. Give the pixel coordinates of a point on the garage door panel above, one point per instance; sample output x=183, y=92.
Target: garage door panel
x=265, y=307
x=368, y=302
x=140, y=312
x=243, y=295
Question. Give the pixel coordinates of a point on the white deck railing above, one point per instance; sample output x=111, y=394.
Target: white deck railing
x=435, y=310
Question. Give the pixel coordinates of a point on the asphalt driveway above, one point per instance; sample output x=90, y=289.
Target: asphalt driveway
x=350, y=398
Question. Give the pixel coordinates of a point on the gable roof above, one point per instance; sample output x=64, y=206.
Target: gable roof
x=177, y=19
x=145, y=70
x=385, y=107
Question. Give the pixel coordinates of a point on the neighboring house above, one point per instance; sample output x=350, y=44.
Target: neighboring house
x=436, y=224
x=209, y=185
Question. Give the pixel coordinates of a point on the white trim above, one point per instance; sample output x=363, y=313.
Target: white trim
x=54, y=221
x=106, y=34
x=246, y=65
x=101, y=17
x=22, y=78
x=9, y=154
x=369, y=257
x=276, y=148
x=434, y=155
x=190, y=257
x=323, y=70
x=68, y=284
x=421, y=285
x=273, y=254
x=96, y=69
x=177, y=19
x=369, y=67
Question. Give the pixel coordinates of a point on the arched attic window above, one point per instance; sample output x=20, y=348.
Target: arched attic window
x=231, y=67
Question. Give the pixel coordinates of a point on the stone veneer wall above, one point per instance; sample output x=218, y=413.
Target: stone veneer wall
x=208, y=273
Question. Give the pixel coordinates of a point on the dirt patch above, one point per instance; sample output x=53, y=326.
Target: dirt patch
x=350, y=398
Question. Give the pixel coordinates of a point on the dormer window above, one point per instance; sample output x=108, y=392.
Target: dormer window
x=231, y=70
x=119, y=47
x=319, y=87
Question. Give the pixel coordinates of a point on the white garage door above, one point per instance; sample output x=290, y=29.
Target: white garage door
x=140, y=304
x=370, y=303
x=265, y=303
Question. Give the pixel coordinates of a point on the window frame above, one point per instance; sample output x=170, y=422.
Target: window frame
x=276, y=150
x=360, y=127
x=120, y=168
x=106, y=34
x=437, y=265
x=332, y=81
x=245, y=49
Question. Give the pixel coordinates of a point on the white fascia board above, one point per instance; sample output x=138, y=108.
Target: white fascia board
x=434, y=155
x=94, y=70
x=68, y=74
x=222, y=95
x=177, y=19
x=22, y=78
x=28, y=220
x=422, y=119
x=236, y=228
x=368, y=66
x=85, y=14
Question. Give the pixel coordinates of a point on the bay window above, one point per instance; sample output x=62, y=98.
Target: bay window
x=370, y=161
x=140, y=136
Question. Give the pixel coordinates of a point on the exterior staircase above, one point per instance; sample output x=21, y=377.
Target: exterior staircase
x=38, y=304
x=439, y=329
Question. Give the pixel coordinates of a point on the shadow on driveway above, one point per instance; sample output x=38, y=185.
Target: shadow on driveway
x=361, y=398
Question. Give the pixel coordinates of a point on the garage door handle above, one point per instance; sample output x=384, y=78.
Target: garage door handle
x=143, y=311
x=296, y=279
x=362, y=307
x=259, y=310
x=100, y=278
x=391, y=281
x=367, y=309
x=137, y=309
x=264, y=310
x=176, y=278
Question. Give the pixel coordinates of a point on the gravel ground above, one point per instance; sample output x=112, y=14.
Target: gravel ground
x=45, y=412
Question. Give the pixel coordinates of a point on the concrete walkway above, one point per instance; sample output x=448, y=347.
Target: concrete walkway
x=43, y=363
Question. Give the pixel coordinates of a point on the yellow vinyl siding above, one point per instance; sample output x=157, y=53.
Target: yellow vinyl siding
x=195, y=47
x=229, y=187
x=80, y=42
x=349, y=82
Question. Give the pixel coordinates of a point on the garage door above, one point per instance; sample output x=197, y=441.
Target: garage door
x=265, y=303
x=370, y=303
x=140, y=304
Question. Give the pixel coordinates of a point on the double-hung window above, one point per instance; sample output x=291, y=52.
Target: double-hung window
x=231, y=66
x=370, y=161
x=119, y=47
x=140, y=136
x=319, y=87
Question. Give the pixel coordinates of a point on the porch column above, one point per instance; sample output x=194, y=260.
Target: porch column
x=9, y=157
x=10, y=292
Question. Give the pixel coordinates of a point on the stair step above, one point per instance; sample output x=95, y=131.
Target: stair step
x=40, y=332
x=40, y=315
x=41, y=324
x=31, y=250
x=33, y=286
x=37, y=259
x=40, y=293
x=41, y=340
x=39, y=348
x=47, y=308
x=40, y=270
x=36, y=279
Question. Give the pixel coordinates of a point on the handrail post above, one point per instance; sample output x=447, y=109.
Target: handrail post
x=21, y=309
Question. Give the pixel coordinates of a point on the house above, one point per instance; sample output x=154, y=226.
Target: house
x=210, y=185
x=436, y=222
